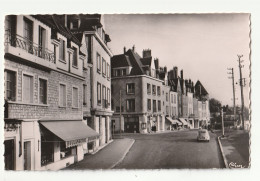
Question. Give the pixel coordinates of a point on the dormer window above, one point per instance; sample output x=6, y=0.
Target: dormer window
x=62, y=50
x=74, y=24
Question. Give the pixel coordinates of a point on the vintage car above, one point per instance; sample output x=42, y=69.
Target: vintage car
x=203, y=135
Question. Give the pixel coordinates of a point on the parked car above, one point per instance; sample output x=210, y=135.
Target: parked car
x=203, y=135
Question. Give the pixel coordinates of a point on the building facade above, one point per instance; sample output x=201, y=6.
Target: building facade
x=138, y=93
x=44, y=82
x=90, y=30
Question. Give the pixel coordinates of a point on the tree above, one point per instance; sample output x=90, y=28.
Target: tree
x=214, y=105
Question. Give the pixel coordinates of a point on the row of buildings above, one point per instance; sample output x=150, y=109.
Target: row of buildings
x=152, y=98
x=65, y=93
x=57, y=90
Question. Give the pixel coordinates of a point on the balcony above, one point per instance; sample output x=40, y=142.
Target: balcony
x=27, y=50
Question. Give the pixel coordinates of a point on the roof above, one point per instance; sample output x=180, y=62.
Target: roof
x=69, y=130
x=199, y=88
x=174, y=84
x=135, y=62
x=120, y=61
x=56, y=22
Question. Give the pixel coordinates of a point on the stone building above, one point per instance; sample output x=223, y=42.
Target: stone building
x=90, y=30
x=138, y=92
x=44, y=84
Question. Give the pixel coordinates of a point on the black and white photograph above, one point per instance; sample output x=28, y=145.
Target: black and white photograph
x=133, y=90
x=128, y=91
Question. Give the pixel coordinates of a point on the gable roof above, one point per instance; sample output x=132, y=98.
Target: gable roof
x=136, y=63
x=200, y=88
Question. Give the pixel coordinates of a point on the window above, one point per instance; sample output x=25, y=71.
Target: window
x=84, y=94
x=75, y=57
x=10, y=85
x=154, y=90
x=99, y=93
x=108, y=96
x=130, y=105
x=75, y=97
x=103, y=67
x=130, y=88
x=98, y=63
x=171, y=98
x=118, y=72
x=28, y=35
x=148, y=88
x=174, y=99
x=104, y=97
x=11, y=28
x=167, y=109
x=27, y=88
x=123, y=72
x=149, y=104
x=62, y=50
x=158, y=90
x=42, y=39
x=75, y=24
x=108, y=71
x=62, y=95
x=42, y=91
x=154, y=106
x=159, y=105
x=167, y=97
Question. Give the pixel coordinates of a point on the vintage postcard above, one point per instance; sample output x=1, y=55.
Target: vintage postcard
x=126, y=91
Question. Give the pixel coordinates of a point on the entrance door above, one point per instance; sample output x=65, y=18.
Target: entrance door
x=27, y=155
x=132, y=125
x=9, y=154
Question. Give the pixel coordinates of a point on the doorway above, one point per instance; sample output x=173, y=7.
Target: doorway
x=9, y=154
x=27, y=155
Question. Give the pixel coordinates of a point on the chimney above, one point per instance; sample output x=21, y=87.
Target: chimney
x=147, y=53
x=124, y=50
x=165, y=69
x=65, y=20
x=181, y=74
x=133, y=48
x=175, y=69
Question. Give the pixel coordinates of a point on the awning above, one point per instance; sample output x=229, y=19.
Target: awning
x=173, y=121
x=72, y=132
x=184, y=122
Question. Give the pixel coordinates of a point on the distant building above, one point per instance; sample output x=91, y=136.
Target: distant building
x=138, y=86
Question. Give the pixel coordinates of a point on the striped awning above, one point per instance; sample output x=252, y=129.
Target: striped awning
x=184, y=122
x=173, y=121
x=72, y=132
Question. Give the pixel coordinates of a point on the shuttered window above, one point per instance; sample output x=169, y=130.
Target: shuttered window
x=62, y=95
x=27, y=89
x=75, y=93
x=10, y=85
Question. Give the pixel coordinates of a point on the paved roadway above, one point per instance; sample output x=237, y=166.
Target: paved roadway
x=172, y=150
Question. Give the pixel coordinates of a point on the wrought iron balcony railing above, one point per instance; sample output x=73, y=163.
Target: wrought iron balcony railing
x=25, y=44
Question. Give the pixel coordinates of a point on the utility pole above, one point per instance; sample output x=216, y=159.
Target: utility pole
x=241, y=87
x=120, y=102
x=234, y=92
x=222, y=120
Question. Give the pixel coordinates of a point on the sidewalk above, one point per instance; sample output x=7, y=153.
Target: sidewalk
x=235, y=146
x=106, y=158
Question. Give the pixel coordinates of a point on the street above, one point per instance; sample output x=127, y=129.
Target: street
x=178, y=149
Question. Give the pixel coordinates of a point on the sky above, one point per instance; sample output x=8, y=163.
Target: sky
x=203, y=45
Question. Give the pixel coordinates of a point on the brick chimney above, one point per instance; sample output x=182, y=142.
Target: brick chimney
x=181, y=74
x=133, y=48
x=147, y=53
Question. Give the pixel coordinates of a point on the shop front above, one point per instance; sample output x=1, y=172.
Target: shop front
x=64, y=142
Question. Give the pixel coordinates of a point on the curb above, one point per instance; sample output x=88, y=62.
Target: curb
x=101, y=147
x=222, y=152
x=122, y=158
